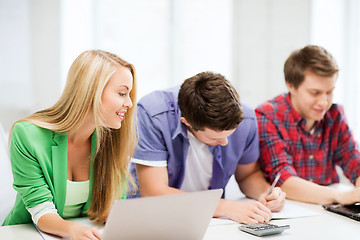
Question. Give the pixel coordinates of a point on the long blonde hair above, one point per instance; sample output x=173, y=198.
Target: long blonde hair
x=86, y=81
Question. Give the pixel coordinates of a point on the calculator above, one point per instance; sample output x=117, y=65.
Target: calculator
x=263, y=229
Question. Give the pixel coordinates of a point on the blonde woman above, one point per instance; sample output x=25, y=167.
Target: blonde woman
x=71, y=159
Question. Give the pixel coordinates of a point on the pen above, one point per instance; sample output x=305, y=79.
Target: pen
x=274, y=183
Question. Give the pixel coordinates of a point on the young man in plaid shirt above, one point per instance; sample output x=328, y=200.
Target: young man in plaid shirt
x=303, y=135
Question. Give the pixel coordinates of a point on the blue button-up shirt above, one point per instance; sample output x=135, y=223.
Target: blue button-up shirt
x=163, y=137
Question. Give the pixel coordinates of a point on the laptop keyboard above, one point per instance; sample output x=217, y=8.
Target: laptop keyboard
x=355, y=208
x=351, y=211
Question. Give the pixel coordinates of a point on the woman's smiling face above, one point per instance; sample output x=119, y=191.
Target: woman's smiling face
x=116, y=97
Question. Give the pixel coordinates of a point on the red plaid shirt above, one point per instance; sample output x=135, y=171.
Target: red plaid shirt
x=286, y=146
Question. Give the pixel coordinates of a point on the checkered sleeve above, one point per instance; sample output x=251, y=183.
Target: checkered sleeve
x=347, y=154
x=274, y=151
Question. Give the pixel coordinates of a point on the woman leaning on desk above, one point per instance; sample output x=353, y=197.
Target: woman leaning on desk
x=71, y=159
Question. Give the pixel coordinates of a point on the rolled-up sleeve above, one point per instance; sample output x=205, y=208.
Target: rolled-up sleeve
x=274, y=151
x=29, y=178
x=151, y=145
x=251, y=149
x=347, y=154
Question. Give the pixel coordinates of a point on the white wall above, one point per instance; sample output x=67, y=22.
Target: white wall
x=336, y=26
x=246, y=40
x=167, y=40
x=45, y=52
x=15, y=51
x=30, y=57
x=16, y=88
x=265, y=33
x=139, y=31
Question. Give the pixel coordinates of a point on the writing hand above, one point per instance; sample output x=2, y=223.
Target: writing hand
x=275, y=201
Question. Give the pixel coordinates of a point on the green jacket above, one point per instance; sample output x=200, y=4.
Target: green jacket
x=39, y=165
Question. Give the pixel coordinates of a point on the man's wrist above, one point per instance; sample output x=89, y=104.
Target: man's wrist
x=357, y=182
x=222, y=209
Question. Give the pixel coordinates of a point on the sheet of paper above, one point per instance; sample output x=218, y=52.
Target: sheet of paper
x=293, y=210
x=221, y=221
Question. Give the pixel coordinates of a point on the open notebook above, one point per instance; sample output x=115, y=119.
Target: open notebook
x=176, y=216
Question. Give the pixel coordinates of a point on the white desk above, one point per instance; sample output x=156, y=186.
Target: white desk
x=21, y=231
x=326, y=225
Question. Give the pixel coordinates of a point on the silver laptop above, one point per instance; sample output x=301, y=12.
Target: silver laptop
x=177, y=216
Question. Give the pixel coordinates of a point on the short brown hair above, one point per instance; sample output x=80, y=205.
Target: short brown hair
x=310, y=58
x=208, y=100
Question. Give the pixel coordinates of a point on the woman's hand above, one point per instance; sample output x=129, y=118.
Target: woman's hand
x=54, y=224
x=81, y=232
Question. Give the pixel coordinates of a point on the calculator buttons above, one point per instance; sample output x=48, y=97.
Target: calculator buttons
x=263, y=229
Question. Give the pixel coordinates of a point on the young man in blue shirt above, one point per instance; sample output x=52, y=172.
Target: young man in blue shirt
x=194, y=137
